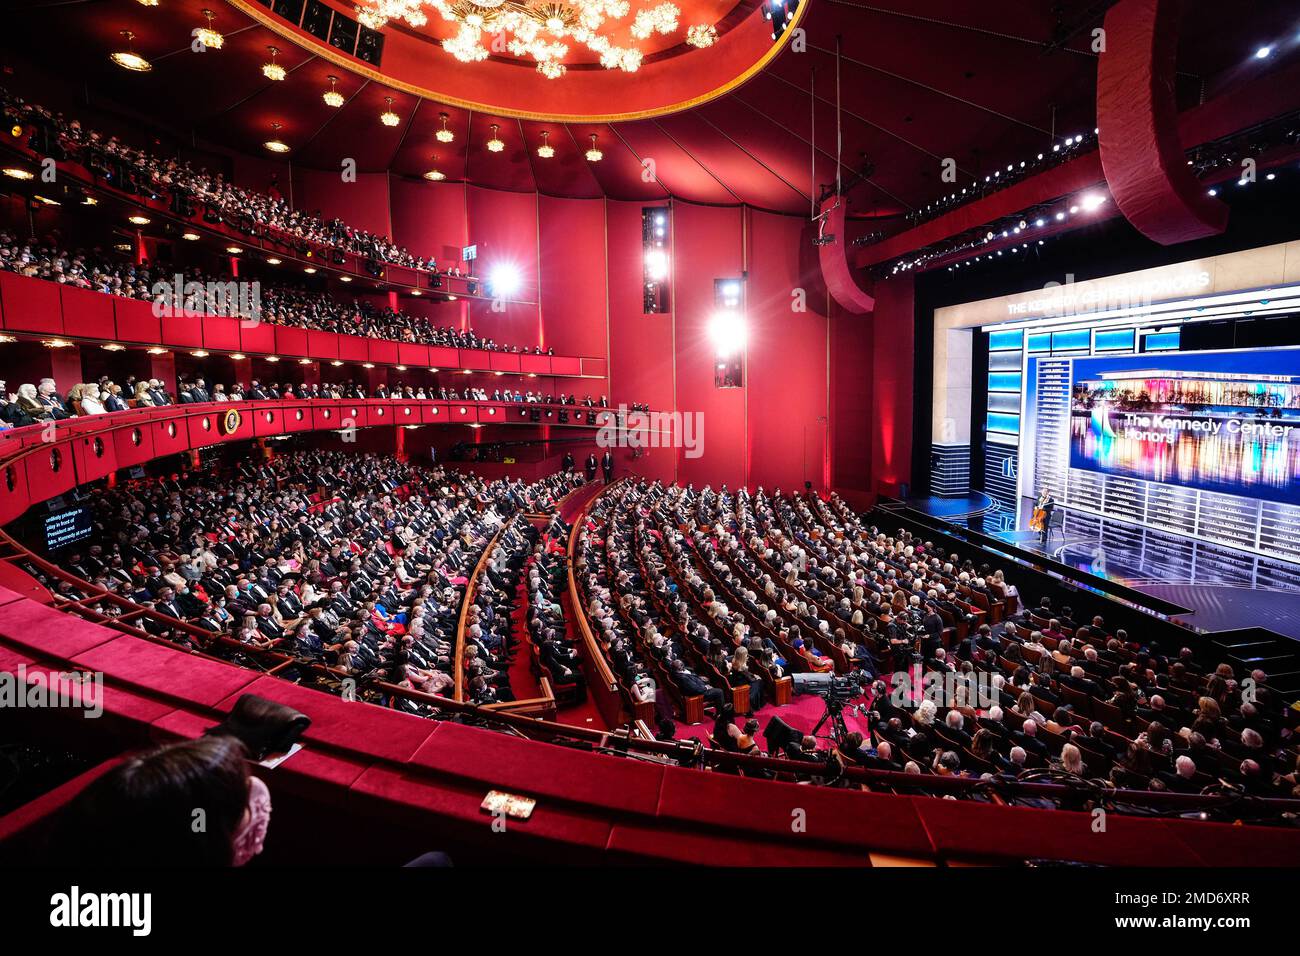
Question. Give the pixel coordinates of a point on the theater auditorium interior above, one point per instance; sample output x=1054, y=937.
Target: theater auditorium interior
x=784, y=433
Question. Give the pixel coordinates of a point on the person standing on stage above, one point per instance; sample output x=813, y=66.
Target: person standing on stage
x=1046, y=506
x=591, y=467
x=607, y=465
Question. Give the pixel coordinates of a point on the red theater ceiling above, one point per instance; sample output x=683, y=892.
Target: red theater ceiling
x=919, y=82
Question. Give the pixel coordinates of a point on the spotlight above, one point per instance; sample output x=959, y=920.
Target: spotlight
x=503, y=280
x=727, y=332
x=1263, y=52
x=656, y=264
x=1092, y=202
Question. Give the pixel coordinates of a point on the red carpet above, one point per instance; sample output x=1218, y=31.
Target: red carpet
x=802, y=713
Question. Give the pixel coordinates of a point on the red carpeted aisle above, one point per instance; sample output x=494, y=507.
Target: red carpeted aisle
x=802, y=713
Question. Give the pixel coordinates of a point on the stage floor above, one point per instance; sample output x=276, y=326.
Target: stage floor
x=1224, y=587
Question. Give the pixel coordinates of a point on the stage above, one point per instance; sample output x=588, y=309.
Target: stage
x=1222, y=588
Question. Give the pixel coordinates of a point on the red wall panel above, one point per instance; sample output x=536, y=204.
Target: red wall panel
x=706, y=246
x=891, y=412
x=504, y=227
x=323, y=345
x=290, y=341
x=409, y=353
x=87, y=313
x=135, y=321
x=429, y=217
x=30, y=305
x=221, y=333
x=382, y=350
x=573, y=295
x=362, y=204
x=353, y=348
x=787, y=354
x=257, y=338
x=183, y=329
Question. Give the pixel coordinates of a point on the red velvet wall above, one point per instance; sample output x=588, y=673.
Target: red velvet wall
x=429, y=217
x=786, y=382
x=891, y=432
x=707, y=245
x=571, y=239
x=641, y=361
x=364, y=203
x=503, y=225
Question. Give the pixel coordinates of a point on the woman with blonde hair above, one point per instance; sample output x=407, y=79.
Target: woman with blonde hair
x=142, y=394
x=1072, y=760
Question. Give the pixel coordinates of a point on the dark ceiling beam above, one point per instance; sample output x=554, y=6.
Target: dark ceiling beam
x=1246, y=106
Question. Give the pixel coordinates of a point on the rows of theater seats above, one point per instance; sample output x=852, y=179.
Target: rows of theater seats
x=703, y=603
x=281, y=303
x=321, y=566
x=192, y=191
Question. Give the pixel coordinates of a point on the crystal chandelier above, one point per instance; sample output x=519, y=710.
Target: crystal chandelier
x=209, y=38
x=332, y=97
x=388, y=117
x=273, y=70
x=538, y=29
x=444, y=135
x=546, y=150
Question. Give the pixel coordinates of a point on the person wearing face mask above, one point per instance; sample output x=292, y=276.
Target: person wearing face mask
x=142, y=810
x=92, y=400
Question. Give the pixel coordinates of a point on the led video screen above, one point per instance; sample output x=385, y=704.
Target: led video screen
x=1223, y=422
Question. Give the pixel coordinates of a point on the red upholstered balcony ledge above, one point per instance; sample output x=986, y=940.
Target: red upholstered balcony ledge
x=39, y=307
x=86, y=449
x=428, y=777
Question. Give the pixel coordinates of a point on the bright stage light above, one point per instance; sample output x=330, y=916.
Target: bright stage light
x=656, y=264
x=727, y=331
x=504, y=279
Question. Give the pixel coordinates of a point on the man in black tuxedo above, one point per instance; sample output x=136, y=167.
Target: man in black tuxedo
x=48, y=395
x=692, y=686
x=607, y=465
x=591, y=467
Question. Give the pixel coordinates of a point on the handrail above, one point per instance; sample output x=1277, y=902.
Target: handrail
x=471, y=589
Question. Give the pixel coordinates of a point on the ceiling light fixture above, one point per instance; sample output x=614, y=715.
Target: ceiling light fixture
x=272, y=261
x=234, y=250
x=138, y=220
x=388, y=117
x=274, y=144
x=594, y=155
x=190, y=236
x=546, y=150
x=495, y=145
x=536, y=30
x=702, y=35
x=444, y=135
x=208, y=37
x=237, y=356
x=332, y=97
x=435, y=176
x=128, y=59
x=273, y=70
x=15, y=172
